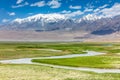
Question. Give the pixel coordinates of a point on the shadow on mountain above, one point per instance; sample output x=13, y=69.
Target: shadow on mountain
x=103, y=32
x=39, y=30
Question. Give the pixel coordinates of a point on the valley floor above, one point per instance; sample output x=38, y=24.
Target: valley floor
x=56, y=36
x=15, y=50
x=35, y=72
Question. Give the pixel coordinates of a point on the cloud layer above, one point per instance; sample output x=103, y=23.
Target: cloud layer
x=20, y=5
x=11, y=13
x=19, y=1
x=54, y=4
x=75, y=7
x=39, y=4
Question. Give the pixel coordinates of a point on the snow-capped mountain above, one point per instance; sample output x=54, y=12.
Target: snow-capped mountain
x=91, y=17
x=51, y=22
x=46, y=22
x=41, y=17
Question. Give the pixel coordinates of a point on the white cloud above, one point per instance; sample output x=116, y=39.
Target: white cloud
x=90, y=5
x=109, y=12
x=54, y=4
x=51, y=4
x=19, y=1
x=39, y=4
x=5, y=20
x=74, y=7
x=96, y=10
x=104, y=6
x=113, y=11
x=11, y=13
x=74, y=14
x=65, y=12
x=88, y=10
x=21, y=5
x=100, y=8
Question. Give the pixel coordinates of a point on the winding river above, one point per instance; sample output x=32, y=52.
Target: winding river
x=89, y=53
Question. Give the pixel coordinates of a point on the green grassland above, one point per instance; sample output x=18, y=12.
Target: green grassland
x=89, y=61
x=21, y=50
x=36, y=72
x=24, y=50
x=10, y=50
x=14, y=50
x=109, y=60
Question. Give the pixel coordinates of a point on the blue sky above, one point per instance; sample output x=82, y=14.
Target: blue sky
x=12, y=9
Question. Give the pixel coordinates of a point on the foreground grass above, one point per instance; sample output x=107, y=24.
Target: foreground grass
x=9, y=50
x=89, y=61
x=36, y=72
x=25, y=53
x=25, y=50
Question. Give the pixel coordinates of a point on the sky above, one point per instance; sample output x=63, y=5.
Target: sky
x=12, y=9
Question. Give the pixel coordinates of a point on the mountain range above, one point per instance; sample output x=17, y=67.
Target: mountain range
x=51, y=22
x=89, y=26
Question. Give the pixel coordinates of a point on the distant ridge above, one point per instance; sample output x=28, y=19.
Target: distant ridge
x=57, y=22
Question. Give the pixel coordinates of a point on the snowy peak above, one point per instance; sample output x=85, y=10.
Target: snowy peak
x=51, y=22
x=42, y=17
x=90, y=17
x=47, y=18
